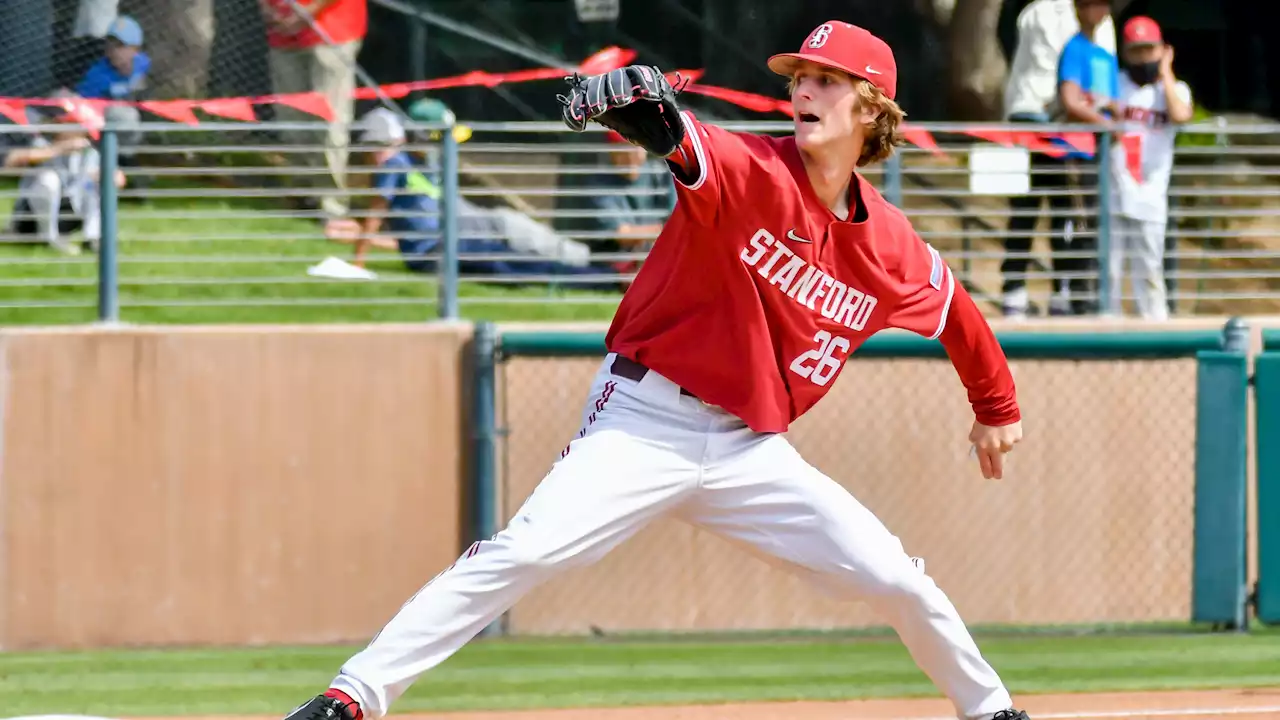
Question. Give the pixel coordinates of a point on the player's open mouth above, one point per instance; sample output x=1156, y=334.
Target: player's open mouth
x=808, y=117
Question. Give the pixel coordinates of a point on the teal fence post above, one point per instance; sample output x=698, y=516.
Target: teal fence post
x=1220, y=592
x=484, y=434
x=418, y=53
x=1104, y=219
x=108, y=242
x=1266, y=377
x=893, y=179
x=449, y=226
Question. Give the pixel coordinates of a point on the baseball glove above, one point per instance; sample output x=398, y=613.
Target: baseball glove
x=636, y=101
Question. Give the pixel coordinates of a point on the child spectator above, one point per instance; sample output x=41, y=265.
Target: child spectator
x=1153, y=102
x=120, y=74
x=60, y=195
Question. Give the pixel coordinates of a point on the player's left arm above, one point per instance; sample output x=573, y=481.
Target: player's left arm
x=1177, y=95
x=935, y=305
x=983, y=368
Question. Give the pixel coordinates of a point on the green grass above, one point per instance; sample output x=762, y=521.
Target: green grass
x=510, y=674
x=242, y=260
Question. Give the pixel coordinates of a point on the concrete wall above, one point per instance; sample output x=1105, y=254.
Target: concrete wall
x=219, y=486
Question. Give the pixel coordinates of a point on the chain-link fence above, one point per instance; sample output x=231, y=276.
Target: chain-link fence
x=1093, y=524
x=170, y=50
x=154, y=49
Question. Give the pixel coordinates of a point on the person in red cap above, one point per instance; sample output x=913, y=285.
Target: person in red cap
x=777, y=263
x=1152, y=102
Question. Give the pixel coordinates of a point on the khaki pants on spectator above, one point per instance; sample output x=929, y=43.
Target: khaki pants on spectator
x=327, y=70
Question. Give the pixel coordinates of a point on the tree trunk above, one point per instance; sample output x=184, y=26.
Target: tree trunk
x=977, y=72
x=179, y=37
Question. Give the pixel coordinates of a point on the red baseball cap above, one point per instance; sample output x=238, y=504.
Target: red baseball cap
x=1141, y=30
x=849, y=48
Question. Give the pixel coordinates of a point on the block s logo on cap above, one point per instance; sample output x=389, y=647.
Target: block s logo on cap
x=820, y=35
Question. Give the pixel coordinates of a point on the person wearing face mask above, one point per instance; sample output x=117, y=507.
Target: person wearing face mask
x=1153, y=101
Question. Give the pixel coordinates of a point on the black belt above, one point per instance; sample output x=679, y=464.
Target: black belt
x=625, y=367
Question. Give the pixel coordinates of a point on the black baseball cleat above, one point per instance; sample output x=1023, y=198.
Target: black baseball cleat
x=1011, y=714
x=323, y=707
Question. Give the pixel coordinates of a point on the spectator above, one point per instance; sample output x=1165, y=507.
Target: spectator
x=1044, y=28
x=303, y=60
x=635, y=201
x=120, y=74
x=409, y=200
x=1153, y=102
x=626, y=206
x=60, y=194
x=1088, y=80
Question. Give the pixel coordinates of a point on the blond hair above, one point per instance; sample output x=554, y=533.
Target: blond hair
x=885, y=133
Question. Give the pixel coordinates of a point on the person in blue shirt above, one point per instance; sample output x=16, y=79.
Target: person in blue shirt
x=121, y=73
x=492, y=242
x=1088, y=84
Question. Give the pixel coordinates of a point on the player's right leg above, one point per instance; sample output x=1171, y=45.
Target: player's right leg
x=632, y=461
x=761, y=493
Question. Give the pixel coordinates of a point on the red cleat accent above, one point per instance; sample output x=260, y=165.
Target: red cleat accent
x=353, y=707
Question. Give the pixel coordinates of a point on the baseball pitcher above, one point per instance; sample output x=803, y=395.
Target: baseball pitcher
x=777, y=263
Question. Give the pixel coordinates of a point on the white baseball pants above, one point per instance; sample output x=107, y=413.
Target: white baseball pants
x=1140, y=243
x=43, y=194
x=646, y=450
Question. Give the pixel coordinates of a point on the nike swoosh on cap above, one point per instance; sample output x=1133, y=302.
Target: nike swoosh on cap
x=792, y=234
x=873, y=71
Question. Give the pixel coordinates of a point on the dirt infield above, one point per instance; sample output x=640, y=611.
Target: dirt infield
x=1255, y=704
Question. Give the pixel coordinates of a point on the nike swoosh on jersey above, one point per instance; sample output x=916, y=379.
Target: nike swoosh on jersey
x=792, y=235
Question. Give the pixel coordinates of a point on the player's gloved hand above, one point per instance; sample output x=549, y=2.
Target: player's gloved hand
x=990, y=444
x=636, y=101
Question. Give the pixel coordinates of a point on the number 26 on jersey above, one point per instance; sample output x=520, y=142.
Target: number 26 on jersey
x=820, y=364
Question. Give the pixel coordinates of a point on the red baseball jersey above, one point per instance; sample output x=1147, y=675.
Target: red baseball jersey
x=755, y=294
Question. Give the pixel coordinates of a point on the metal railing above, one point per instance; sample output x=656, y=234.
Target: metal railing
x=224, y=222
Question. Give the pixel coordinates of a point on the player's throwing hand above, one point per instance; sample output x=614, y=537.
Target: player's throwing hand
x=991, y=444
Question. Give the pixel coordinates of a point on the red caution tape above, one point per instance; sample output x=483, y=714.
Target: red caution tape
x=234, y=108
x=14, y=110
x=89, y=112
x=922, y=139
x=610, y=58
x=176, y=110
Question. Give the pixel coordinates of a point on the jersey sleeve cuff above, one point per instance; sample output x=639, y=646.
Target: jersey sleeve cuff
x=951, y=291
x=695, y=149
